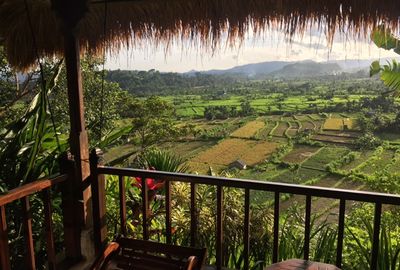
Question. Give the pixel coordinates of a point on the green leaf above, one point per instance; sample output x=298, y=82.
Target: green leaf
x=375, y=68
x=113, y=136
x=390, y=75
x=382, y=38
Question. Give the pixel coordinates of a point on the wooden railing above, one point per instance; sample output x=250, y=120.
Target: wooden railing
x=72, y=226
x=378, y=199
x=72, y=222
x=23, y=193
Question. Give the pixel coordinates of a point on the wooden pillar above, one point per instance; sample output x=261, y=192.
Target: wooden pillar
x=99, y=201
x=71, y=221
x=78, y=135
x=77, y=191
x=70, y=12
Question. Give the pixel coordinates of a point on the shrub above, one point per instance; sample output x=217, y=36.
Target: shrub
x=367, y=141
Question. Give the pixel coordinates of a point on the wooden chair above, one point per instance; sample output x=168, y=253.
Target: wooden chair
x=127, y=253
x=296, y=264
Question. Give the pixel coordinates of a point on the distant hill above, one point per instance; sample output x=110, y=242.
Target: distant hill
x=292, y=69
x=248, y=70
x=306, y=69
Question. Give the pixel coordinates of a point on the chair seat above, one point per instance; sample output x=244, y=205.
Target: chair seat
x=132, y=254
x=296, y=264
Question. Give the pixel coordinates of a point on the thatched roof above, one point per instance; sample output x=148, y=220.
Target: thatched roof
x=205, y=22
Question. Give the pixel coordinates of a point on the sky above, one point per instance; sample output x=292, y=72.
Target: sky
x=273, y=46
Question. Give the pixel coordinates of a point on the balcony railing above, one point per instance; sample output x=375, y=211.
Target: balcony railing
x=97, y=183
x=22, y=193
x=378, y=199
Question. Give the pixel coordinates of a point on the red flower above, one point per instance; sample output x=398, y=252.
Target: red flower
x=151, y=183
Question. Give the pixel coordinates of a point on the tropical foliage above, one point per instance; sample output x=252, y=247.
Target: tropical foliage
x=390, y=72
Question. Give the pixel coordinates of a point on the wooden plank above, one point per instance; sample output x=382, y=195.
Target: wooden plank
x=246, y=231
x=168, y=226
x=5, y=253
x=339, y=249
x=48, y=221
x=307, y=229
x=27, y=221
x=375, y=240
x=275, y=247
x=193, y=215
x=220, y=232
x=122, y=204
x=31, y=188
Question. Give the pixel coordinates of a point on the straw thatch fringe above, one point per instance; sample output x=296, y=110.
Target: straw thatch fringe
x=206, y=23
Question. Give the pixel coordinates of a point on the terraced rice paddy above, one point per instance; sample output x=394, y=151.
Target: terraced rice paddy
x=280, y=130
x=340, y=133
x=249, y=130
x=378, y=163
x=333, y=139
x=318, y=124
x=229, y=150
x=333, y=124
x=264, y=133
x=395, y=166
x=204, y=167
x=298, y=176
x=302, y=117
x=291, y=132
x=361, y=158
x=307, y=125
x=325, y=156
x=300, y=153
x=188, y=149
x=340, y=124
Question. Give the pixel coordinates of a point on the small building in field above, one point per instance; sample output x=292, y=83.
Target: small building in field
x=238, y=164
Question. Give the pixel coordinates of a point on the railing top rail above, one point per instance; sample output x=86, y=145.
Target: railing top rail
x=333, y=193
x=31, y=188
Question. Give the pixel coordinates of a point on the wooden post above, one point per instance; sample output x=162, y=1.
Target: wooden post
x=4, y=249
x=70, y=13
x=78, y=135
x=71, y=219
x=98, y=201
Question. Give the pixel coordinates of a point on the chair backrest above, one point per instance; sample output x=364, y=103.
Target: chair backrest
x=141, y=254
x=128, y=253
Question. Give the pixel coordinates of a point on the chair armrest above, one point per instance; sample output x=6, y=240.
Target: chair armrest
x=112, y=248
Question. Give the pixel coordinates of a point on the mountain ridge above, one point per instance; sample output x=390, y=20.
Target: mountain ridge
x=305, y=68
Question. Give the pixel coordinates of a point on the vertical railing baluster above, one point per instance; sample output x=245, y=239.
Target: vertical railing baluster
x=193, y=215
x=122, y=204
x=220, y=232
x=4, y=248
x=246, y=231
x=145, y=204
x=27, y=221
x=307, y=228
x=168, y=225
x=339, y=249
x=48, y=220
x=276, y=228
x=375, y=241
